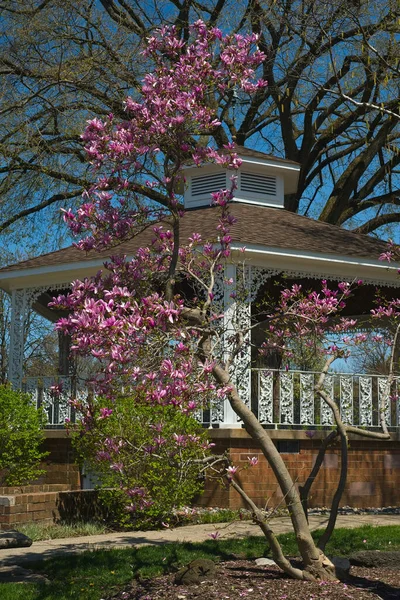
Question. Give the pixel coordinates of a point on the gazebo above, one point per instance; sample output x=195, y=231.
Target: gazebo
x=278, y=244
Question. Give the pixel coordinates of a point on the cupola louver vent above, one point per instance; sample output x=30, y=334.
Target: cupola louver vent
x=258, y=184
x=207, y=184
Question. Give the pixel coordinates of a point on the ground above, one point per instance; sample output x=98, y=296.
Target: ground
x=244, y=579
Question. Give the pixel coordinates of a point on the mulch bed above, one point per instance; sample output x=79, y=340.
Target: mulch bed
x=244, y=579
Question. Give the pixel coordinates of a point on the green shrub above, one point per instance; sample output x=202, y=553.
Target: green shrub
x=168, y=476
x=21, y=435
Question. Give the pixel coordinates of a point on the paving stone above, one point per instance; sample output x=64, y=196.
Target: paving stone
x=376, y=558
x=196, y=571
x=264, y=562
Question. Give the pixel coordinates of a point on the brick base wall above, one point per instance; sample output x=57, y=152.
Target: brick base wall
x=373, y=471
x=49, y=507
x=373, y=478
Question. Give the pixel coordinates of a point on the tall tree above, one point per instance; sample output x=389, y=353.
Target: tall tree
x=331, y=103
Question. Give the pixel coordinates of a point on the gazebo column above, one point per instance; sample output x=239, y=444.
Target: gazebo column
x=246, y=282
x=230, y=327
x=20, y=304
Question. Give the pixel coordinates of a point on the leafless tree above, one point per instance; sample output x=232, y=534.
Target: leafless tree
x=40, y=346
x=331, y=103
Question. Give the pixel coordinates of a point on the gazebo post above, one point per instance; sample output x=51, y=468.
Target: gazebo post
x=230, y=307
x=19, y=309
x=237, y=318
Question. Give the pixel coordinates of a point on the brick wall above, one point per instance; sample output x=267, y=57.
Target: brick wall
x=25, y=508
x=373, y=471
x=373, y=477
x=48, y=507
x=60, y=465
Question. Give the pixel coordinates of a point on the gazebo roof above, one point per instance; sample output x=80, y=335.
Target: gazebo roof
x=244, y=152
x=287, y=238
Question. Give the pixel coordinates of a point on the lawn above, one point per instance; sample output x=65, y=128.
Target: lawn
x=98, y=574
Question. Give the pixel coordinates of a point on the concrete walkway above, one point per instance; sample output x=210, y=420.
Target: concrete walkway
x=191, y=533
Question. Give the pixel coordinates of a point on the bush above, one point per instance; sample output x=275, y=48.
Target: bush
x=21, y=435
x=121, y=451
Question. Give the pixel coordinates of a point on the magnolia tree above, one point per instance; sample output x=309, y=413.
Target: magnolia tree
x=153, y=322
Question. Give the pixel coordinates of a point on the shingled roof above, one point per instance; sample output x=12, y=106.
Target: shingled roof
x=256, y=225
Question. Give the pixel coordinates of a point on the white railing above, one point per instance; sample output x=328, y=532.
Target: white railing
x=55, y=400
x=280, y=399
x=289, y=398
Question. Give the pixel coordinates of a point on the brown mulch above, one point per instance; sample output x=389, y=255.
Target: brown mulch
x=244, y=579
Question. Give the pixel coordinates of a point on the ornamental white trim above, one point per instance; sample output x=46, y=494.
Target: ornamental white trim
x=266, y=397
x=246, y=282
x=346, y=399
x=326, y=412
x=286, y=408
x=365, y=400
x=307, y=416
x=333, y=277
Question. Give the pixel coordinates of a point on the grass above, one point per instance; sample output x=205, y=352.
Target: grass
x=40, y=531
x=345, y=541
x=94, y=575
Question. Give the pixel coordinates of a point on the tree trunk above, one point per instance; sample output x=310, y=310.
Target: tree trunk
x=316, y=566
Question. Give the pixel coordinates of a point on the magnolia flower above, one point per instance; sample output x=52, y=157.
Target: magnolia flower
x=230, y=471
x=105, y=413
x=388, y=256
x=56, y=389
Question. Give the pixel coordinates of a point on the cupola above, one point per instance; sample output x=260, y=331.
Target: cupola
x=262, y=180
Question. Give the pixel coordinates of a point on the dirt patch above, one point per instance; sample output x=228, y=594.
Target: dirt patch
x=244, y=579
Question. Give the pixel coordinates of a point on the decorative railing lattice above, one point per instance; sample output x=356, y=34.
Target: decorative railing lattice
x=285, y=399
x=56, y=405
x=289, y=398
